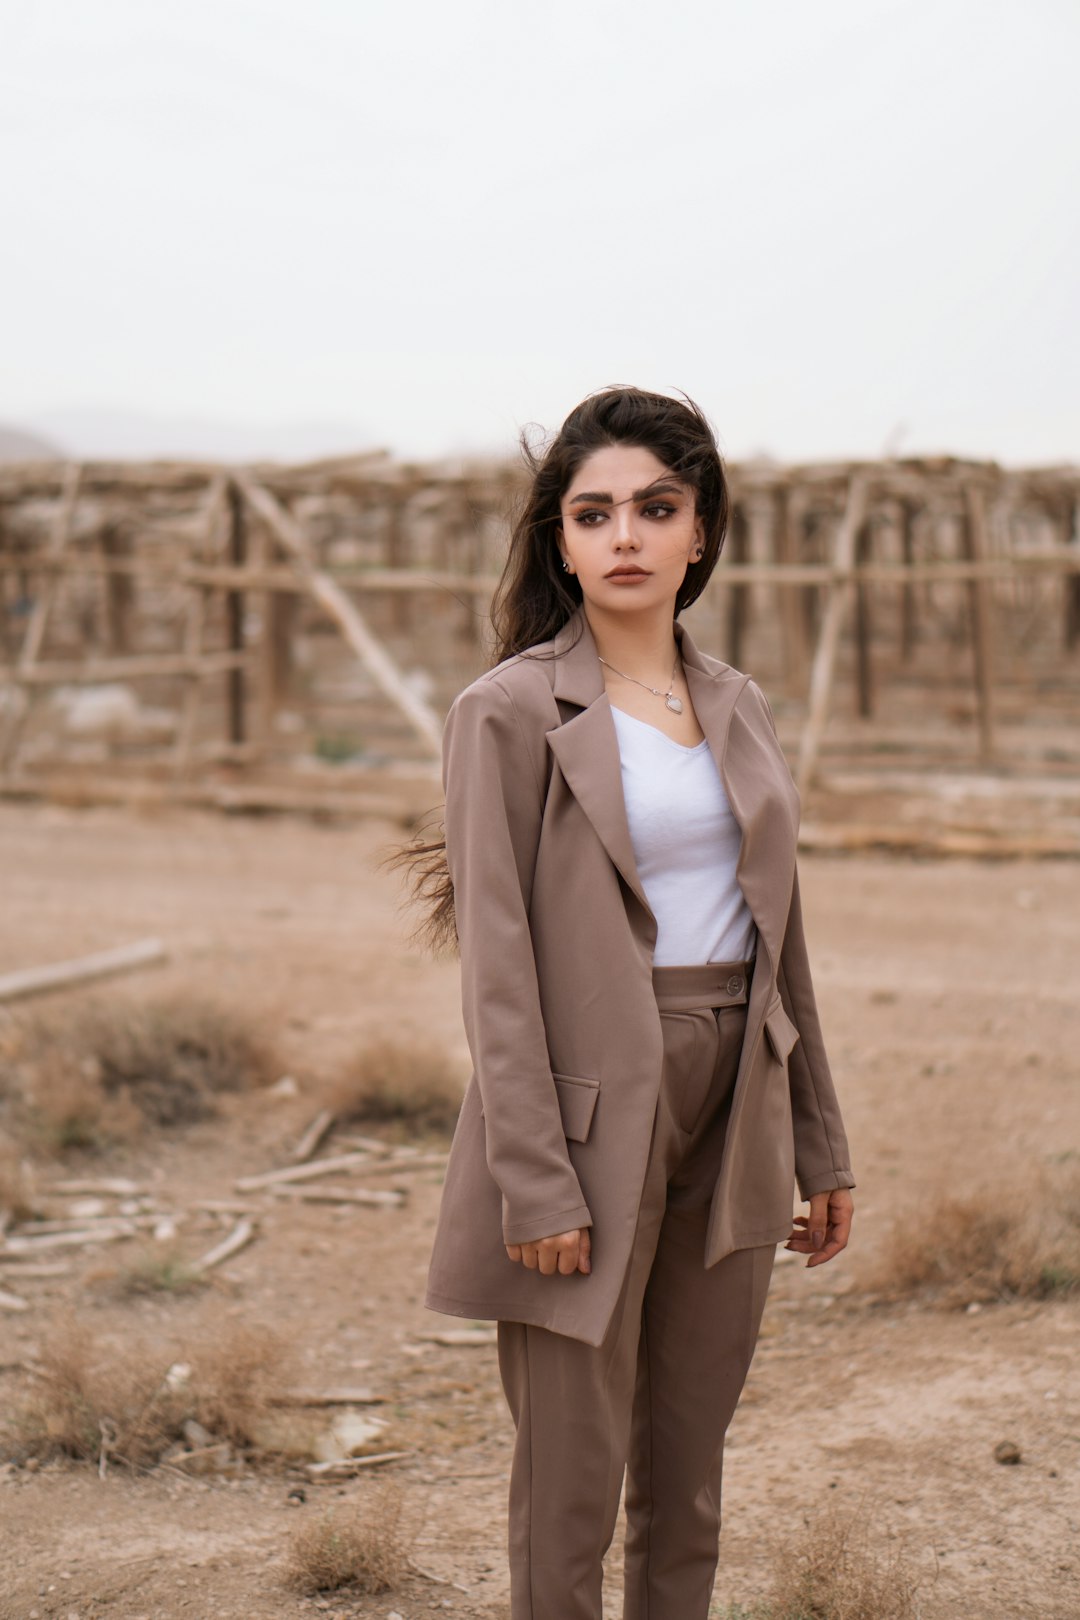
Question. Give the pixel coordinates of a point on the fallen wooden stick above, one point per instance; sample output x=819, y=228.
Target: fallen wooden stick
x=304, y=1172
x=241, y=1235
x=328, y=1397
x=116, y=1187
x=367, y=1144
x=422, y=1161
x=68, y=1240
x=343, y=1195
x=224, y=1206
x=27, y=1268
x=459, y=1337
x=121, y=959
x=312, y=1136
x=344, y=1467
x=89, y=1223
x=12, y=1302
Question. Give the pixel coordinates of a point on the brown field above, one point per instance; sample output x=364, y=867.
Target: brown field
x=883, y=1382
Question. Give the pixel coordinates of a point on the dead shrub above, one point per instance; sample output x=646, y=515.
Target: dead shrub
x=1015, y=1242
x=95, y=1072
x=238, y=1376
x=839, y=1567
x=363, y=1546
x=408, y=1083
x=126, y=1402
x=135, y=1400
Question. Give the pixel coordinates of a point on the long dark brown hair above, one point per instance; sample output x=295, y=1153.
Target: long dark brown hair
x=535, y=596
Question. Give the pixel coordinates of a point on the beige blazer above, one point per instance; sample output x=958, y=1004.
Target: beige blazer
x=557, y=939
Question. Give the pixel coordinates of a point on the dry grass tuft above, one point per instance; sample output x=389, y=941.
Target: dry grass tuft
x=1014, y=1242
x=840, y=1567
x=407, y=1083
x=84, y=1402
x=362, y=1546
x=237, y=1378
x=134, y=1399
x=96, y=1072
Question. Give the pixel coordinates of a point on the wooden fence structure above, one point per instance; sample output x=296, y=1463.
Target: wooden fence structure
x=217, y=608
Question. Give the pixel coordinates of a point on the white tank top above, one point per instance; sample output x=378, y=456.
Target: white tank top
x=686, y=844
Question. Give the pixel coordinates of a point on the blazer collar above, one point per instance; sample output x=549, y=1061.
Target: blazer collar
x=587, y=749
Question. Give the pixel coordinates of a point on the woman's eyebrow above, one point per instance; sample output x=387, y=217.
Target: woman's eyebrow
x=603, y=497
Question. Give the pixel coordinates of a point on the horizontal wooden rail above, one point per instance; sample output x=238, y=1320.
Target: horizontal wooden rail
x=288, y=582
x=138, y=666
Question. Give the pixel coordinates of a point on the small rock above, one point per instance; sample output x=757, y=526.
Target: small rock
x=285, y=1087
x=1006, y=1451
x=31, y=1465
x=196, y=1435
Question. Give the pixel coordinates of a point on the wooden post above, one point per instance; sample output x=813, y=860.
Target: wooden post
x=119, y=588
x=234, y=616
x=211, y=547
x=738, y=600
x=836, y=597
x=864, y=672
x=973, y=531
x=790, y=613
x=63, y=524
x=1070, y=522
x=397, y=557
x=908, y=627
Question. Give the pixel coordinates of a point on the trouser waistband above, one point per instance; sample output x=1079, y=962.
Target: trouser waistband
x=680, y=986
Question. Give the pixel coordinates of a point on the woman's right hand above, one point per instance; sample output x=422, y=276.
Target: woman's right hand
x=565, y=1253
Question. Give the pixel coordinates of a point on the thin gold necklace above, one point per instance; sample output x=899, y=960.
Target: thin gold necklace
x=672, y=702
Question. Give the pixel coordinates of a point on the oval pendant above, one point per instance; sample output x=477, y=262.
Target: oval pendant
x=674, y=703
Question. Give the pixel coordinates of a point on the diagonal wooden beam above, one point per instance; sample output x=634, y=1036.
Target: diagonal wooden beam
x=344, y=612
x=838, y=594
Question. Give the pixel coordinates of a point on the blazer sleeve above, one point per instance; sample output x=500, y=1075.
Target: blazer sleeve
x=493, y=810
x=822, y=1160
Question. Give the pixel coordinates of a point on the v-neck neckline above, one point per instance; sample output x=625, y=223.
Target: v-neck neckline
x=684, y=748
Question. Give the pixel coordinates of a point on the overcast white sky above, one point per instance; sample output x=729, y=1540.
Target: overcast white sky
x=841, y=226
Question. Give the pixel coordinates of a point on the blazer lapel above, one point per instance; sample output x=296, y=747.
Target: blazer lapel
x=759, y=789
x=587, y=747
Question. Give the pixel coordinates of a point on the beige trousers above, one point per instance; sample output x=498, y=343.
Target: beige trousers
x=656, y=1397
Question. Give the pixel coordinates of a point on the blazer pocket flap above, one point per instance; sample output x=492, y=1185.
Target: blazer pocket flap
x=781, y=1032
x=577, y=1102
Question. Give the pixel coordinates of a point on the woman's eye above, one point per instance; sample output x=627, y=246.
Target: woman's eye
x=583, y=518
x=659, y=507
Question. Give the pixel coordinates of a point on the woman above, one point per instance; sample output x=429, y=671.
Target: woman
x=649, y=1075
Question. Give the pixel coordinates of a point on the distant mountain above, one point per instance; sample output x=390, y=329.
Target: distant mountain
x=16, y=444
x=105, y=435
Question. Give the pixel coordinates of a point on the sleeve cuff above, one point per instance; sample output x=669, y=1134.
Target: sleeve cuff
x=542, y=1226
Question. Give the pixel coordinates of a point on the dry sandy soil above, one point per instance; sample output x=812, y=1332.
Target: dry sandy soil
x=949, y=998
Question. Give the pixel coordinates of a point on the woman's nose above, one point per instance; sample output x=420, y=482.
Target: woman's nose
x=625, y=533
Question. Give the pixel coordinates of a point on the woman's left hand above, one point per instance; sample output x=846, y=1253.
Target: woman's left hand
x=826, y=1229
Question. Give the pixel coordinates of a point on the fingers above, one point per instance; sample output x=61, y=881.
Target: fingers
x=562, y=1254
x=819, y=1241
x=818, y=1220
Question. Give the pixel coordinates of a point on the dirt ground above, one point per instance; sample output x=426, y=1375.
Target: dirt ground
x=948, y=993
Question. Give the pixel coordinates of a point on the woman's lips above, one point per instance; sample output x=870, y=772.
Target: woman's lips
x=627, y=579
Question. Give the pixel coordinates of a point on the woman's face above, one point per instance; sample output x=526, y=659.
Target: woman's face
x=623, y=509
